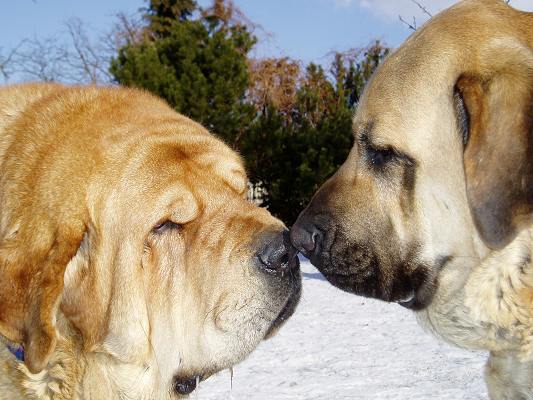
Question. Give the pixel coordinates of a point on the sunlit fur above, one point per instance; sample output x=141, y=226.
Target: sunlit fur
x=465, y=210
x=91, y=174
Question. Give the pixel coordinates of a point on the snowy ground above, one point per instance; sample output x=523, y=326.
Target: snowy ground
x=340, y=346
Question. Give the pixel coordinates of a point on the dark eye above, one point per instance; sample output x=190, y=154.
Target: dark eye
x=379, y=157
x=165, y=226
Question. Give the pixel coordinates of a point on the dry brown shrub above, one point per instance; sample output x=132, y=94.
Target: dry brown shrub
x=274, y=81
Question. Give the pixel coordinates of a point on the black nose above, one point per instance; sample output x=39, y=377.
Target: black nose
x=306, y=237
x=185, y=386
x=277, y=256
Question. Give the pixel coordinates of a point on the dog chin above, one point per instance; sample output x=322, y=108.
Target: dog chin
x=414, y=291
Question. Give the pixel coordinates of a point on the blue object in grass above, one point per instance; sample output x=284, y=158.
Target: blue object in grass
x=17, y=351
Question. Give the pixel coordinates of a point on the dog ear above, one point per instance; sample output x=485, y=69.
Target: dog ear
x=498, y=154
x=33, y=258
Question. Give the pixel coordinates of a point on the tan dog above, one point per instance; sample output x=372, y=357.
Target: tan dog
x=131, y=264
x=432, y=207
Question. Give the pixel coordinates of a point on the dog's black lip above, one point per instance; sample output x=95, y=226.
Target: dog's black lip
x=286, y=311
x=292, y=301
x=416, y=303
x=339, y=281
x=410, y=304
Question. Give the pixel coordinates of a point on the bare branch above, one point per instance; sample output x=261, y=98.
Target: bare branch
x=40, y=59
x=127, y=30
x=413, y=25
x=424, y=9
x=85, y=58
x=346, y=56
x=410, y=26
x=71, y=56
x=6, y=63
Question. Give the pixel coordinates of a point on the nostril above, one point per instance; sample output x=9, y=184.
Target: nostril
x=305, y=239
x=311, y=244
x=266, y=264
x=313, y=237
x=275, y=256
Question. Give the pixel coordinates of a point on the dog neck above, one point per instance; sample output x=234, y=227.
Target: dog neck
x=487, y=307
x=447, y=316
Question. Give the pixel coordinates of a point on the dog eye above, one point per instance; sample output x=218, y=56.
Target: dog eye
x=379, y=157
x=165, y=226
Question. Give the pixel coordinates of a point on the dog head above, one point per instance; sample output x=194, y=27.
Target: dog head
x=168, y=269
x=440, y=169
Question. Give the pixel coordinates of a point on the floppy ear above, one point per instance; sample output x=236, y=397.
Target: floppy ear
x=33, y=258
x=498, y=157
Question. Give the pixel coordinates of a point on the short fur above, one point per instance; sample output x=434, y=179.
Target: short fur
x=451, y=110
x=128, y=250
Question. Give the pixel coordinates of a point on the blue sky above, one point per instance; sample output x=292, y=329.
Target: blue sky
x=302, y=29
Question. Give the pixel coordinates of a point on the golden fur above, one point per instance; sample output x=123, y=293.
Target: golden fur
x=128, y=251
x=432, y=208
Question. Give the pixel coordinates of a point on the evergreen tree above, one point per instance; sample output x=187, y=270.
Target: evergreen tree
x=170, y=10
x=198, y=65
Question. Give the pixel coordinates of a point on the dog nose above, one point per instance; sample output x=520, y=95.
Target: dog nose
x=277, y=255
x=184, y=386
x=305, y=237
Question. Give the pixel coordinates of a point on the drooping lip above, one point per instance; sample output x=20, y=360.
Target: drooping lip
x=346, y=282
x=413, y=302
x=416, y=298
x=291, y=303
x=407, y=301
x=422, y=296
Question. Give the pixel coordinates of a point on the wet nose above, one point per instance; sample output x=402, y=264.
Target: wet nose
x=306, y=237
x=277, y=256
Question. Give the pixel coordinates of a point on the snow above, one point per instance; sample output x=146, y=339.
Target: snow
x=340, y=346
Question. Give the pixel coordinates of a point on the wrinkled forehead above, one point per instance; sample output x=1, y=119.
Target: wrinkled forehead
x=204, y=160
x=162, y=170
x=222, y=164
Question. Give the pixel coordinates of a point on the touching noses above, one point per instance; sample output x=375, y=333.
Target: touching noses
x=277, y=256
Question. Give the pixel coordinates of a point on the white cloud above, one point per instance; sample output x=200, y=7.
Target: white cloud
x=390, y=9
